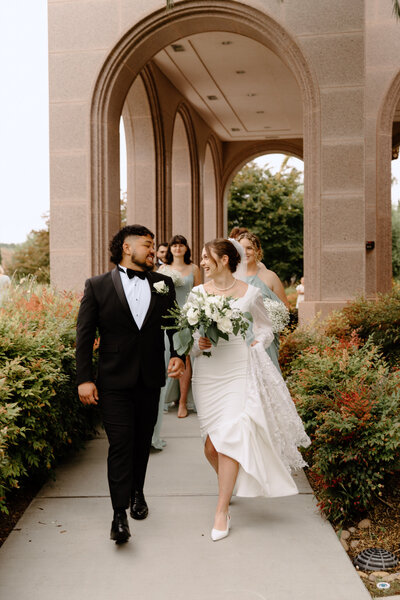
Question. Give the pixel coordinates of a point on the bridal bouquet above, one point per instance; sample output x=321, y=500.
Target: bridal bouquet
x=278, y=314
x=177, y=280
x=212, y=316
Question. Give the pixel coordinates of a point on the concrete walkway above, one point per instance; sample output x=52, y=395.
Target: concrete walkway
x=278, y=549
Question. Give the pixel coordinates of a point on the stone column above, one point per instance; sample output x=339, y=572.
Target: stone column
x=335, y=256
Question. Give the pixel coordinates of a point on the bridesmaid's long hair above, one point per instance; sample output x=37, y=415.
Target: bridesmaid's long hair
x=178, y=239
x=221, y=247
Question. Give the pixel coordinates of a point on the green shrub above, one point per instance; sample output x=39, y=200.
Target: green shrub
x=349, y=401
x=37, y=377
x=292, y=343
x=9, y=433
x=376, y=319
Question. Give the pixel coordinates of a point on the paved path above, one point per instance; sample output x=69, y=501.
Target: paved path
x=278, y=549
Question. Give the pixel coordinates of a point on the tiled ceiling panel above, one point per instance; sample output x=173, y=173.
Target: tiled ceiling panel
x=240, y=87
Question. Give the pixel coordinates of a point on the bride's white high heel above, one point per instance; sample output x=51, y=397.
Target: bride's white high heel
x=218, y=534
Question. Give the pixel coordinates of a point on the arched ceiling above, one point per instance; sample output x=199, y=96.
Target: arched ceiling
x=239, y=87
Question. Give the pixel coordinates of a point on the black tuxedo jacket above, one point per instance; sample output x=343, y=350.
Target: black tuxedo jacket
x=125, y=351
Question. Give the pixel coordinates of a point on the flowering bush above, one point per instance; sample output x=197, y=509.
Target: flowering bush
x=292, y=344
x=349, y=401
x=41, y=417
x=343, y=374
x=378, y=320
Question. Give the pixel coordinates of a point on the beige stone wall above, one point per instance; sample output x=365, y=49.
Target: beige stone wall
x=346, y=56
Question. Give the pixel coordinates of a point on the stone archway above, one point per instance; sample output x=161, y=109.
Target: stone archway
x=250, y=151
x=141, y=157
x=126, y=61
x=247, y=152
x=382, y=255
x=181, y=181
x=210, y=196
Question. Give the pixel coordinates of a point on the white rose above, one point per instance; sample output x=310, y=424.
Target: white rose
x=215, y=314
x=225, y=325
x=192, y=316
x=160, y=287
x=208, y=311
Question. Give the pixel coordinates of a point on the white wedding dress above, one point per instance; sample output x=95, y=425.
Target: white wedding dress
x=245, y=408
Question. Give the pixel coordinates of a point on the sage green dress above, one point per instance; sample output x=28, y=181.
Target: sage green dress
x=170, y=392
x=273, y=349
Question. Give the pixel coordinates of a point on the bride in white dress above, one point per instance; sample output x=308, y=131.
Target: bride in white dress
x=248, y=421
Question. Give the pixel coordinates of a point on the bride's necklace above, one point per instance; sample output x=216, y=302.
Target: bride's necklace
x=224, y=289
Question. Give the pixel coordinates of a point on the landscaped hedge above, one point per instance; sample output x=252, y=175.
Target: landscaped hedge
x=41, y=418
x=345, y=380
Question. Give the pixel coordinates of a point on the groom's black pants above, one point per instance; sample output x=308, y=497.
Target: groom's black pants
x=129, y=417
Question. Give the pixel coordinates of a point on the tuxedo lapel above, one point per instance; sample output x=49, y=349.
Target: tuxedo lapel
x=153, y=298
x=116, y=279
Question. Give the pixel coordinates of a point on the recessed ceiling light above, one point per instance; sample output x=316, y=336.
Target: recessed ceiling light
x=251, y=95
x=226, y=43
x=178, y=48
x=212, y=97
x=235, y=129
x=240, y=72
x=259, y=112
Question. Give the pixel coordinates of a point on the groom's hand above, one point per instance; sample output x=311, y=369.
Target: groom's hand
x=88, y=393
x=176, y=368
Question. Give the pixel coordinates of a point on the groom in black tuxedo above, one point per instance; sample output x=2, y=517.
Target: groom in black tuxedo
x=126, y=306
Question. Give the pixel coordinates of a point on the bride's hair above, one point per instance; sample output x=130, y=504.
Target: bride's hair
x=255, y=243
x=222, y=247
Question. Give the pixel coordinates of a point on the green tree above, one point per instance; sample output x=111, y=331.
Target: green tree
x=271, y=206
x=396, y=241
x=123, y=203
x=32, y=257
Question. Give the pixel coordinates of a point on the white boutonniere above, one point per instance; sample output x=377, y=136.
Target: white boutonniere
x=160, y=287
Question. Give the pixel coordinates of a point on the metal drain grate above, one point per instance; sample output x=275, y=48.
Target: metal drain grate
x=375, y=559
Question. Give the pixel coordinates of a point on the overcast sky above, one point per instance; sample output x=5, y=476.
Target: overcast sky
x=24, y=170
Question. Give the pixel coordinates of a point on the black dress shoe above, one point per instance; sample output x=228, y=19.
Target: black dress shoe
x=119, y=528
x=139, y=508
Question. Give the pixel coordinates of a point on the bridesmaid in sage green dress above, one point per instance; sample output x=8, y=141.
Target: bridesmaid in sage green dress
x=267, y=281
x=178, y=260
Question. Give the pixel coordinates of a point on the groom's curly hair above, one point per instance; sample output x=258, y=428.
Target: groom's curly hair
x=117, y=241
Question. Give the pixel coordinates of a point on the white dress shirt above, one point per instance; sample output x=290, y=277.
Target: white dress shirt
x=138, y=294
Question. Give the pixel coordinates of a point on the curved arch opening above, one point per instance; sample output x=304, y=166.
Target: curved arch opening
x=140, y=156
x=137, y=50
x=181, y=181
x=209, y=196
x=266, y=196
x=381, y=260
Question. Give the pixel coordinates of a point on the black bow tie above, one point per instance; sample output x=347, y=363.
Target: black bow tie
x=131, y=273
